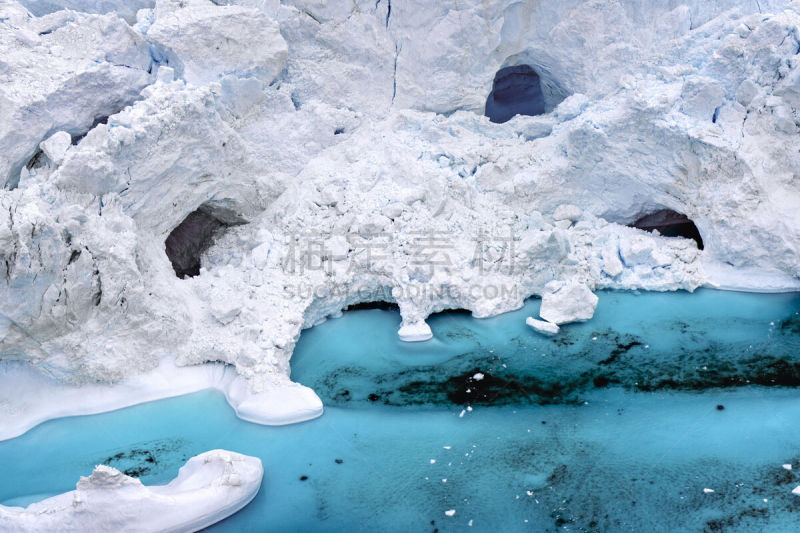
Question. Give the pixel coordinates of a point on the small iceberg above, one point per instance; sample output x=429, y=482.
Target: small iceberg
x=209, y=487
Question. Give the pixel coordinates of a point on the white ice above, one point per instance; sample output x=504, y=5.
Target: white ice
x=209, y=487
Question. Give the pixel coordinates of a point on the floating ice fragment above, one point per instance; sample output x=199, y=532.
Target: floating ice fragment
x=708, y=491
x=433, y=461
x=446, y=447
x=469, y=523
x=478, y=376
x=451, y=512
x=787, y=466
x=542, y=326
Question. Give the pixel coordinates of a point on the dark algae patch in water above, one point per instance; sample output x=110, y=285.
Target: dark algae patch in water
x=144, y=459
x=526, y=368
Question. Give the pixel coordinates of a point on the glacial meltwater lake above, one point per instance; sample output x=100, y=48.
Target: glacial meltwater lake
x=617, y=424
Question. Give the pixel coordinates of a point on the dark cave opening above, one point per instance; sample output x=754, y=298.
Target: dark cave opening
x=670, y=223
x=385, y=306
x=187, y=242
x=516, y=90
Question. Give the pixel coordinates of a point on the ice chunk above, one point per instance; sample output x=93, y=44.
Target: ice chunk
x=416, y=332
x=209, y=488
x=56, y=146
x=542, y=326
x=565, y=302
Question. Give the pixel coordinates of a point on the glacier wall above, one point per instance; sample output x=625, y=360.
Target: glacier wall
x=343, y=150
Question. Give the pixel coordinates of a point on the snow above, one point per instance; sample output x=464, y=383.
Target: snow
x=346, y=155
x=209, y=487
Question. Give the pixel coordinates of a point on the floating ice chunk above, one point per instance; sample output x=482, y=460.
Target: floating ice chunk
x=796, y=490
x=478, y=376
x=209, y=488
x=433, y=461
x=564, y=302
x=416, y=332
x=787, y=466
x=542, y=326
x=451, y=512
x=708, y=491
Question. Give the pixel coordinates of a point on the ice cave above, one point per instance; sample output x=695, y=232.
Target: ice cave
x=399, y=266
x=193, y=236
x=516, y=90
x=670, y=223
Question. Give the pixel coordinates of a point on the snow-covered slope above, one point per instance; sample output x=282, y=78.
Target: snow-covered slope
x=314, y=155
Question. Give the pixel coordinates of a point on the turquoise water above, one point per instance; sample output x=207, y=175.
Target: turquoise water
x=587, y=432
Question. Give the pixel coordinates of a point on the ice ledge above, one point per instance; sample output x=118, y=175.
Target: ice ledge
x=28, y=398
x=209, y=488
x=723, y=276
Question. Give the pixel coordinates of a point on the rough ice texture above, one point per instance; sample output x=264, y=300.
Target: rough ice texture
x=209, y=487
x=344, y=117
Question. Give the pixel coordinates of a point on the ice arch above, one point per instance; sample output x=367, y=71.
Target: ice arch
x=670, y=224
x=187, y=242
x=517, y=90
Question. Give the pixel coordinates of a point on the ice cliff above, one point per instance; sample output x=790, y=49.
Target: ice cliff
x=289, y=159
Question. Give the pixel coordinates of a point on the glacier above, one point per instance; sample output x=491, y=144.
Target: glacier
x=195, y=182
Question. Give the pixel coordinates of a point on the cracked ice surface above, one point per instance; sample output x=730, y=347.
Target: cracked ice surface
x=351, y=141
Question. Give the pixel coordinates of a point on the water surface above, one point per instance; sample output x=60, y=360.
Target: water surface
x=538, y=444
